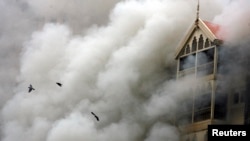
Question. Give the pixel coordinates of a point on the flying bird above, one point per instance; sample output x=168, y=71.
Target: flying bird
x=59, y=84
x=97, y=118
x=31, y=88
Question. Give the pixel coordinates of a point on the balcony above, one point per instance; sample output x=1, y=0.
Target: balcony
x=205, y=69
x=186, y=72
x=202, y=114
x=202, y=70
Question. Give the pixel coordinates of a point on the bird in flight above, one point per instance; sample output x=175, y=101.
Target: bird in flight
x=97, y=118
x=31, y=88
x=59, y=84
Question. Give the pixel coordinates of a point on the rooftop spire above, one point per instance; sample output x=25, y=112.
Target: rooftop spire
x=197, y=12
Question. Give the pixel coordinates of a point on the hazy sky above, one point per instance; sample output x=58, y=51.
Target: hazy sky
x=115, y=58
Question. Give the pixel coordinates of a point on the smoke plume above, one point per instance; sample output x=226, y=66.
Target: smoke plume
x=115, y=59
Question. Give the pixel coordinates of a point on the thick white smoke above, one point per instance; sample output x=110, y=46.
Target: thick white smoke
x=19, y=18
x=122, y=68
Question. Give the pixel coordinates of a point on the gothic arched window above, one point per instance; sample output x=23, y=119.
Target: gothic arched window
x=193, y=47
x=187, y=49
x=200, y=45
x=182, y=52
x=194, y=44
x=212, y=44
x=207, y=43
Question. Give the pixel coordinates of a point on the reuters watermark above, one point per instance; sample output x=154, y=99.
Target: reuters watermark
x=241, y=132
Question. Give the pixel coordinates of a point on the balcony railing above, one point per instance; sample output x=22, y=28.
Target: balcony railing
x=202, y=70
x=202, y=114
x=205, y=69
x=186, y=72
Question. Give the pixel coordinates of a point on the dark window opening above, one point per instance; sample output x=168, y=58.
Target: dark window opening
x=202, y=107
x=187, y=49
x=236, y=98
x=187, y=62
x=193, y=48
x=242, y=97
x=207, y=43
x=220, y=107
x=182, y=52
x=205, y=62
x=212, y=43
x=200, y=45
x=194, y=44
x=205, y=56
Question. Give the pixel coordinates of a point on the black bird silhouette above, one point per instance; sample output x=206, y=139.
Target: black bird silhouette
x=31, y=88
x=59, y=84
x=97, y=118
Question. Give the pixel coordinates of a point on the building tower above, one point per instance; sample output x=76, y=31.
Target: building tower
x=198, y=56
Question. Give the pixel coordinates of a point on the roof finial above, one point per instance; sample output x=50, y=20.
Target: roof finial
x=197, y=12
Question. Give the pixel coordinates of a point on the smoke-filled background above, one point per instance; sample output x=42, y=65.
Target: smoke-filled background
x=114, y=58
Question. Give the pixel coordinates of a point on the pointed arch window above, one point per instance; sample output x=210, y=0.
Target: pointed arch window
x=182, y=52
x=207, y=44
x=187, y=49
x=200, y=45
x=212, y=44
x=194, y=44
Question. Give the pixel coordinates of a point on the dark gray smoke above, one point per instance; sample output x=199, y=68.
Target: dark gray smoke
x=235, y=50
x=115, y=59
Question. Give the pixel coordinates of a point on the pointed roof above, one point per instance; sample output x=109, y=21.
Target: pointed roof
x=211, y=30
x=215, y=29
